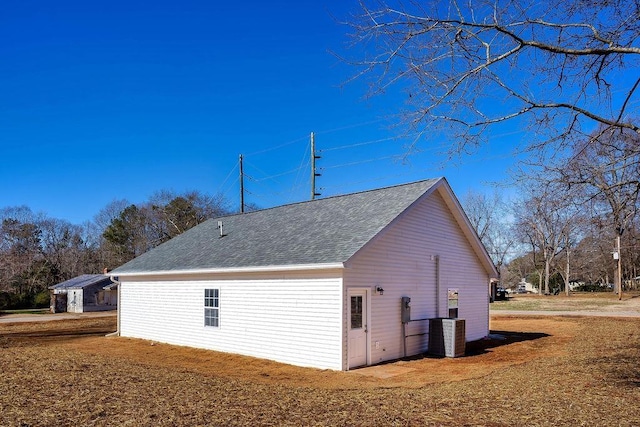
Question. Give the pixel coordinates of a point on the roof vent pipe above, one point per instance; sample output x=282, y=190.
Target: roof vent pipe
x=220, y=228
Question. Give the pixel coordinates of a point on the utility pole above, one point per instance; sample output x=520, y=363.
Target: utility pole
x=313, y=167
x=566, y=272
x=241, y=186
x=619, y=265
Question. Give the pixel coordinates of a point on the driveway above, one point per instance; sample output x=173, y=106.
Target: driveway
x=575, y=313
x=18, y=318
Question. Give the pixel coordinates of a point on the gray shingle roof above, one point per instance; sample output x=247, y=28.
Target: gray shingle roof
x=82, y=281
x=320, y=231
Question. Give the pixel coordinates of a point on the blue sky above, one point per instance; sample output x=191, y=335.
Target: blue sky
x=117, y=100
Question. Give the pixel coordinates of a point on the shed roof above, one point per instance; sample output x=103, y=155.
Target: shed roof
x=321, y=231
x=82, y=282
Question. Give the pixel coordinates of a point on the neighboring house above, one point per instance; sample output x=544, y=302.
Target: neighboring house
x=525, y=287
x=317, y=283
x=84, y=293
x=576, y=284
x=633, y=283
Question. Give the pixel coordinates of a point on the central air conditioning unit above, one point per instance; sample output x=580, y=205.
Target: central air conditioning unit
x=447, y=337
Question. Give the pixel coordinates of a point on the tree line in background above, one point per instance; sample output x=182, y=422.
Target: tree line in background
x=37, y=251
x=535, y=240
x=575, y=220
x=560, y=229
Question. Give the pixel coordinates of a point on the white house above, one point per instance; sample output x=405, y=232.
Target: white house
x=317, y=283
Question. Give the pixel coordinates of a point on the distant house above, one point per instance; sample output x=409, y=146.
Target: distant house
x=318, y=283
x=525, y=287
x=89, y=292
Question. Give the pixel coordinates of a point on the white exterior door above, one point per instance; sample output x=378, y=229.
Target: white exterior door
x=357, y=325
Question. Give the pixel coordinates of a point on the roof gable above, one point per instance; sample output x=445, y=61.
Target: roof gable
x=322, y=231
x=442, y=188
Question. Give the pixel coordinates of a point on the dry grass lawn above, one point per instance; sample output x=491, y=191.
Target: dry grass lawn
x=548, y=371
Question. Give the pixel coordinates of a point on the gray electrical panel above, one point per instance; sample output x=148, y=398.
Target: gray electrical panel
x=405, y=309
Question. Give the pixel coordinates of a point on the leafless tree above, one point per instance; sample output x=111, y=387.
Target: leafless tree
x=519, y=268
x=37, y=251
x=20, y=249
x=564, y=65
x=592, y=254
x=631, y=254
x=140, y=227
x=606, y=168
x=573, y=218
x=544, y=221
x=65, y=249
x=107, y=214
x=173, y=214
x=489, y=216
x=94, y=230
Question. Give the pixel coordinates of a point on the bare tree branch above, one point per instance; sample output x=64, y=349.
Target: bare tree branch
x=469, y=66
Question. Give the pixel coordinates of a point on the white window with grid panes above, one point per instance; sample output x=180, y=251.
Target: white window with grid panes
x=212, y=307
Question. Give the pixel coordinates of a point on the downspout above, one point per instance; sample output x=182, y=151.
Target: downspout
x=436, y=258
x=117, y=332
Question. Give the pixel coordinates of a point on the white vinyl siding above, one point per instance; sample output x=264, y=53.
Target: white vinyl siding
x=294, y=320
x=403, y=262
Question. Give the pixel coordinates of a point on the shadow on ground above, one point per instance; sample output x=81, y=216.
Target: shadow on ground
x=499, y=339
x=493, y=340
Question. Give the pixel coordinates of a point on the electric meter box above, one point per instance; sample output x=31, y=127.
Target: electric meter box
x=405, y=309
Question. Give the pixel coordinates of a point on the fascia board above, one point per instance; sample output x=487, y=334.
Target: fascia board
x=239, y=270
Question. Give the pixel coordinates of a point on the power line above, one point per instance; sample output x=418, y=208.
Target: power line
x=266, y=150
x=322, y=132
x=359, y=162
x=304, y=163
x=364, y=181
x=349, y=126
x=305, y=159
x=221, y=187
x=358, y=144
x=270, y=177
x=342, y=185
x=265, y=196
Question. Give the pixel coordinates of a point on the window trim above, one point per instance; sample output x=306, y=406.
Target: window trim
x=453, y=302
x=211, y=307
x=359, y=311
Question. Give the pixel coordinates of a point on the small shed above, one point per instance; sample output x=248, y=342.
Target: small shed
x=88, y=292
x=332, y=283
